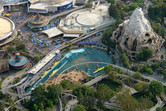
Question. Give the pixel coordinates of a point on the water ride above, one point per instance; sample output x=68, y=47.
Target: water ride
x=53, y=73
x=99, y=69
x=45, y=73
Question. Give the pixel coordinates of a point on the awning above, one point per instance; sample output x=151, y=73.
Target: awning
x=52, y=32
x=71, y=35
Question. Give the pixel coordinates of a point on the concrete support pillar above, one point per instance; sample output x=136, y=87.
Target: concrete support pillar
x=74, y=2
x=9, y=8
x=28, y=7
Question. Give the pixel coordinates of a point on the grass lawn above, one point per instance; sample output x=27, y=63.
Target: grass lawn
x=113, y=85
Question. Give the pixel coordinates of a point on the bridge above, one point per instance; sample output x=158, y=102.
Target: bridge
x=96, y=80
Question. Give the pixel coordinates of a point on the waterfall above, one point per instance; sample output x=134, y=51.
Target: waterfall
x=74, y=52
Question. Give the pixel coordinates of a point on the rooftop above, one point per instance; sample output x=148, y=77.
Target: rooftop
x=71, y=35
x=45, y=4
x=22, y=61
x=13, y=2
x=41, y=63
x=5, y=27
x=52, y=32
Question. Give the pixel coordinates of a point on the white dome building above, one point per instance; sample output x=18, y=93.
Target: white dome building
x=7, y=30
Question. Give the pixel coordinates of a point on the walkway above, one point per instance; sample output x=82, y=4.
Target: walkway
x=28, y=97
x=147, y=3
x=159, y=104
x=96, y=80
x=71, y=104
x=9, y=79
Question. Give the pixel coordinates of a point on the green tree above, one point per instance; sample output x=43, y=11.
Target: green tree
x=42, y=98
x=127, y=102
x=133, y=6
x=114, y=12
x=144, y=54
x=36, y=58
x=125, y=60
x=85, y=95
x=21, y=47
x=2, y=106
x=35, y=107
x=106, y=38
x=157, y=11
x=156, y=87
x=111, y=1
x=53, y=93
x=144, y=103
x=104, y=93
x=164, y=73
x=149, y=71
x=108, y=68
x=66, y=84
x=140, y=86
x=38, y=94
x=50, y=103
x=159, y=109
x=137, y=75
x=135, y=68
x=10, y=49
x=79, y=108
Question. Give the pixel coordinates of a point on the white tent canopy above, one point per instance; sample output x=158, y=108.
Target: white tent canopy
x=52, y=32
x=71, y=35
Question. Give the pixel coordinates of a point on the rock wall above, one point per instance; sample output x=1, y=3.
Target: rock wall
x=136, y=33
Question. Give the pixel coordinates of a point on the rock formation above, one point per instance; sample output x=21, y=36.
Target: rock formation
x=136, y=33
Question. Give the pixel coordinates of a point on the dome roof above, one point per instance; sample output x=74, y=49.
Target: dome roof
x=22, y=61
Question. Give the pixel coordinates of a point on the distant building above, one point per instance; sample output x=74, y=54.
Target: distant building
x=4, y=65
x=45, y=6
x=9, y=3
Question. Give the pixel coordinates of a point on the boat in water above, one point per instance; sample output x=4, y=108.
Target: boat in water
x=55, y=64
x=53, y=73
x=99, y=69
x=45, y=73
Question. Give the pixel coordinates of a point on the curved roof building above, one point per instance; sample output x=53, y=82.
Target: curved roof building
x=45, y=6
x=18, y=62
x=13, y=2
x=85, y=20
x=7, y=28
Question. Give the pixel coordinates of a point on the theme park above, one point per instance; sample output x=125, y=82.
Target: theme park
x=82, y=55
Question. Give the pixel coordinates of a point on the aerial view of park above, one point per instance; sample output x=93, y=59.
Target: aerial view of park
x=82, y=55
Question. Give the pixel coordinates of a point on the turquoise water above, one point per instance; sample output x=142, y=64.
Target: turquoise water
x=78, y=56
